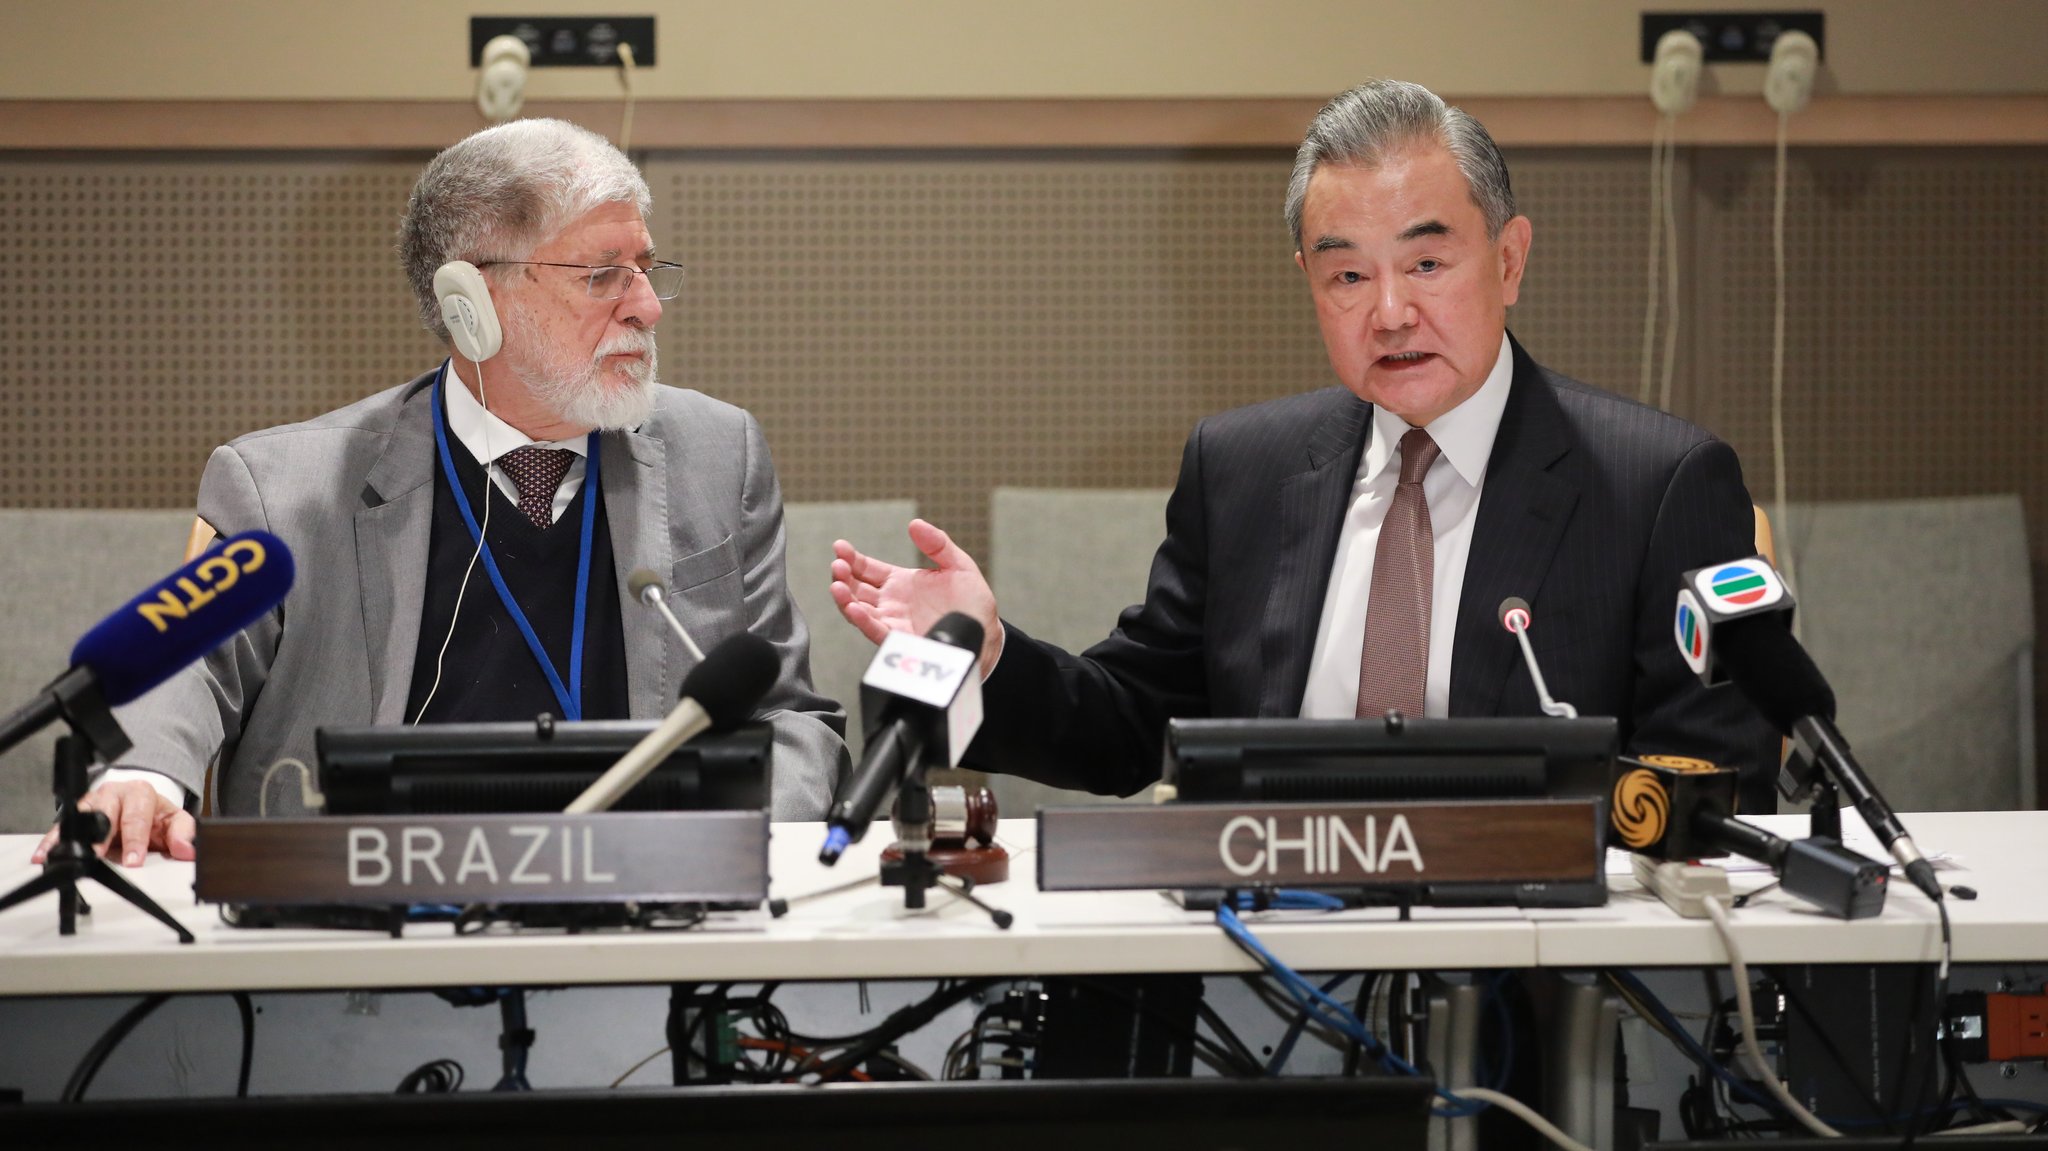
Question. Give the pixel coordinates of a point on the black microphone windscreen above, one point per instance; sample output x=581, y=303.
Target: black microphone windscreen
x=957, y=629
x=642, y=579
x=1764, y=659
x=732, y=679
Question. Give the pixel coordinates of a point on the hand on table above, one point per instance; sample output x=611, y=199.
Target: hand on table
x=142, y=819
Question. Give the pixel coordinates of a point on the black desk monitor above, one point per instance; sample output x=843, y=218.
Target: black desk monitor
x=481, y=768
x=1300, y=760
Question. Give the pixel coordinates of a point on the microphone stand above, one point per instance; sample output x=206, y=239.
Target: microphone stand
x=94, y=733
x=914, y=871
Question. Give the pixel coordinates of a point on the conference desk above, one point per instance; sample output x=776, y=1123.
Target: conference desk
x=863, y=932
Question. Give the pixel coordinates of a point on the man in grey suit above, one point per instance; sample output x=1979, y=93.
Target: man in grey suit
x=442, y=529
x=1346, y=551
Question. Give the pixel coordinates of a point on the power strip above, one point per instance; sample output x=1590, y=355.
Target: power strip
x=1684, y=887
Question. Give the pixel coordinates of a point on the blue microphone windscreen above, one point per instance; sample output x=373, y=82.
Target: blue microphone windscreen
x=186, y=615
x=732, y=679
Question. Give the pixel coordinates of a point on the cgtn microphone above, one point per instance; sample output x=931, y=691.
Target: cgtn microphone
x=180, y=618
x=920, y=705
x=719, y=693
x=1733, y=625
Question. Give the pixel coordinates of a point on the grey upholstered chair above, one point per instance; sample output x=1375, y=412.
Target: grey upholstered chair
x=1921, y=615
x=839, y=654
x=64, y=570
x=1065, y=562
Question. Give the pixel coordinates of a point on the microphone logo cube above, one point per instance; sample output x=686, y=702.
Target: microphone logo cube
x=1690, y=629
x=926, y=671
x=1743, y=586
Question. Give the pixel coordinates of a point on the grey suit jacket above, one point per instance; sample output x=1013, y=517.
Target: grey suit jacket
x=691, y=494
x=1593, y=506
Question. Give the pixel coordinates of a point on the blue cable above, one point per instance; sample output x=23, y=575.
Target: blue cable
x=1339, y=1018
x=1294, y=1030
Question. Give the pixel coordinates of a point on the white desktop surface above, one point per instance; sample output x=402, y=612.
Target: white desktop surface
x=2002, y=854
x=860, y=933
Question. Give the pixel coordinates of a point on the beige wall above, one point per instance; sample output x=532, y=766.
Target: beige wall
x=850, y=49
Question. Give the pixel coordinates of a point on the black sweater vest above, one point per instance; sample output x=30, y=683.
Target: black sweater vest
x=489, y=673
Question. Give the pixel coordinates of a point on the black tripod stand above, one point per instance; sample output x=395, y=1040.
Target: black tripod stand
x=915, y=872
x=71, y=858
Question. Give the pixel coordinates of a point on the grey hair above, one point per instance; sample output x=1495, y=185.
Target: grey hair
x=501, y=193
x=1362, y=127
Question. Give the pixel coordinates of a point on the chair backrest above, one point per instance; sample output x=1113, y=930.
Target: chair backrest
x=1066, y=562
x=839, y=654
x=1921, y=615
x=64, y=570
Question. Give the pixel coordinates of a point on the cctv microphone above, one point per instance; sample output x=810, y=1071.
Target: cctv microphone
x=1734, y=625
x=719, y=693
x=177, y=620
x=1674, y=808
x=1514, y=616
x=646, y=587
x=920, y=702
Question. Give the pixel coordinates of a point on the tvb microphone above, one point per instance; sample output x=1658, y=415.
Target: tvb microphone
x=1675, y=808
x=920, y=704
x=1734, y=625
x=646, y=587
x=180, y=618
x=1514, y=616
x=719, y=693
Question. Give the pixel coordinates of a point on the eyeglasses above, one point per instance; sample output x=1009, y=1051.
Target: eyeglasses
x=613, y=281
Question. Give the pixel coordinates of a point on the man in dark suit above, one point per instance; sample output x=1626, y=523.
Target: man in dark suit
x=1346, y=551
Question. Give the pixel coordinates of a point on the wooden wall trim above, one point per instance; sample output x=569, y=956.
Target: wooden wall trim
x=121, y=125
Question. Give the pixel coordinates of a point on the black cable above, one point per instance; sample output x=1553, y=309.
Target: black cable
x=1359, y=1007
x=817, y=1041
x=438, y=1077
x=248, y=1013
x=74, y=1090
x=900, y=1023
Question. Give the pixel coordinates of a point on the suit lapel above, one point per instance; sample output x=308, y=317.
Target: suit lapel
x=392, y=530
x=1522, y=516
x=1312, y=506
x=635, y=481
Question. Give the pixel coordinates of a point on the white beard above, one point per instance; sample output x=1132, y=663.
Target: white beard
x=586, y=392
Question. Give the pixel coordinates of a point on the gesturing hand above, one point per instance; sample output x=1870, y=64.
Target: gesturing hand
x=879, y=597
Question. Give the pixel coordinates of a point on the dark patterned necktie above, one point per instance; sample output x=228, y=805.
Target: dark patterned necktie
x=1393, y=665
x=537, y=472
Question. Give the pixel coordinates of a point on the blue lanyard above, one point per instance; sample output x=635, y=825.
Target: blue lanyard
x=571, y=697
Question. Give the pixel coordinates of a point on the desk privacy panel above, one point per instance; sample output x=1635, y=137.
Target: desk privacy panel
x=932, y=325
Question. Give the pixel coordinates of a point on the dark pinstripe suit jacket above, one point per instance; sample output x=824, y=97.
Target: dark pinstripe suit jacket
x=1592, y=507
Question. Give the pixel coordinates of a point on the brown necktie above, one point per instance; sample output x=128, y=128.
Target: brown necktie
x=537, y=472
x=1394, y=663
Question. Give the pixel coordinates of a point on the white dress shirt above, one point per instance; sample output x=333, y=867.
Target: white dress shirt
x=1452, y=488
x=487, y=438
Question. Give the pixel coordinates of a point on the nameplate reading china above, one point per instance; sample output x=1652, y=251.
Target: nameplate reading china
x=609, y=857
x=1329, y=845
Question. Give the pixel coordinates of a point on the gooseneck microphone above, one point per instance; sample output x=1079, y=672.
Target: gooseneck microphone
x=646, y=587
x=1514, y=616
x=920, y=704
x=1734, y=622
x=179, y=619
x=719, y=693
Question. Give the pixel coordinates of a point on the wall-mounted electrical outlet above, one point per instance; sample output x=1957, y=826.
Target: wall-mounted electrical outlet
x=568, y=41
x=1727, y=36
